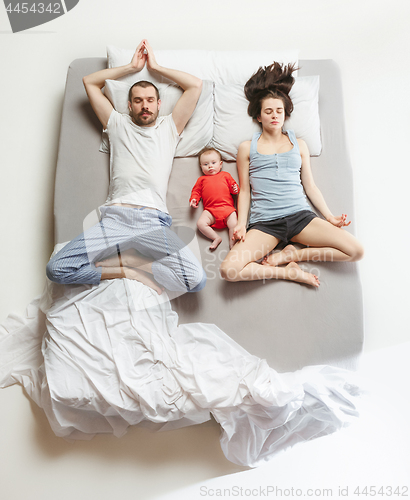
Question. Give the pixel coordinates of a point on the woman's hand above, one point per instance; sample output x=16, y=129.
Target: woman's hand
x=339, y=221
x=239, y=233
x=139, y=58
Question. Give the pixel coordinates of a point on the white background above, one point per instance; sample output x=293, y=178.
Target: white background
x=369, y=40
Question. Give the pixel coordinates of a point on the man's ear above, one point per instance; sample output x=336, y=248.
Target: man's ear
x=129, y=105
x=159, y=103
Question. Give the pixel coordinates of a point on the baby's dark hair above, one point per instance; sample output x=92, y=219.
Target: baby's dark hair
x=207, y=149
x=274, y=81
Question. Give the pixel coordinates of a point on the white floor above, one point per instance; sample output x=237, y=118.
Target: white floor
x=374, y=452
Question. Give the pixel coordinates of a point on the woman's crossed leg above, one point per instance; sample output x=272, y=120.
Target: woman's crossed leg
x=326, y=243
x=243, y=262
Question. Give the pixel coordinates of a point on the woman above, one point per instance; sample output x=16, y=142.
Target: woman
x=274, y=169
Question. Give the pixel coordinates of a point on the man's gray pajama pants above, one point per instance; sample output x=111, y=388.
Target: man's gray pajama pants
x=148, y=231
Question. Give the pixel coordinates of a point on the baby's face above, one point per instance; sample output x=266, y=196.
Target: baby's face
x=210, y=163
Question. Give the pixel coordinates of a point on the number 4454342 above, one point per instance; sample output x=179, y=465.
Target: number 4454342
x=34, y=7
x=382, y=491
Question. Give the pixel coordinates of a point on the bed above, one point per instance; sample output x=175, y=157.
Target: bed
x=291, y=326
x=295, y=325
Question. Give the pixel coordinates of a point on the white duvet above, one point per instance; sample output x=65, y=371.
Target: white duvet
x=98, y=359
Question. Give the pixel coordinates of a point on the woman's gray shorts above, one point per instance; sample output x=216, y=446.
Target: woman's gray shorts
x=287, y=227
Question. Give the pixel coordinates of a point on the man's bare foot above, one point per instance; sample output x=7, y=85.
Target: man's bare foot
x=129, y=258
x=144, y=278
x=295, y=273
x=215, y=243
x=110, y=273
x=283, y=257
x=114, y=259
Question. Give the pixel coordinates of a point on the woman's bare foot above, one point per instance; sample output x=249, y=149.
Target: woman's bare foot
x=295, y=273
x=283, y=257
x=215, y=243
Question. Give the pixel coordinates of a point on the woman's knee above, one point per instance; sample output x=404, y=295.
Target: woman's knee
x=357, y=252
x=229, y=270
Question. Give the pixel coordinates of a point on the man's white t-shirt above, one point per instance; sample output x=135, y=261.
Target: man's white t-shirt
x=140, y=160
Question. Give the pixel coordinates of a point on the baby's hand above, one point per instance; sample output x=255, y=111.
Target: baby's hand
x=193, y=203
x=235, y=188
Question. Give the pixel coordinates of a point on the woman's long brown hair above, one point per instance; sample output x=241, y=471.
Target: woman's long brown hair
x=274, y=81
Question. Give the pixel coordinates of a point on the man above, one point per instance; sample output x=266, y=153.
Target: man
x=133, y=239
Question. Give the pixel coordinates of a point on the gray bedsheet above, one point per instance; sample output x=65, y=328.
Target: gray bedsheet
x=288, y=324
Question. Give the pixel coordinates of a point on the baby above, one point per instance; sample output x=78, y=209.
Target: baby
x=216, y=189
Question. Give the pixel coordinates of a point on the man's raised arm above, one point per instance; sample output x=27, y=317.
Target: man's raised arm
x=191, y=85
x=95, y=82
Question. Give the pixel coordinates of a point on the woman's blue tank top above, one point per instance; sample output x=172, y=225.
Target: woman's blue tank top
x=277, y=190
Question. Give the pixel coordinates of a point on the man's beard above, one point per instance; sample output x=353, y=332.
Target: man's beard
x=143, y=122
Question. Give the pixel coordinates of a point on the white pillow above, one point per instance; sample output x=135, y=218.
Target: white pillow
x=233, y=125
x=219, y=66
x=199, y=129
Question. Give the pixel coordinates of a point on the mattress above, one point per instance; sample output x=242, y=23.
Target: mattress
x=288, y=324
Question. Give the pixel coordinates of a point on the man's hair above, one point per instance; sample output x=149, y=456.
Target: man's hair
x=207, y=150
x=144, y=84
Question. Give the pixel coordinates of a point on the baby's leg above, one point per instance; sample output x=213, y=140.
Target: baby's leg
x=231, y=222
x=204, y=225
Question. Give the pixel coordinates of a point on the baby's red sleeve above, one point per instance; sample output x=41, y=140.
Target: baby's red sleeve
x=232, y=183
x=196, y=193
